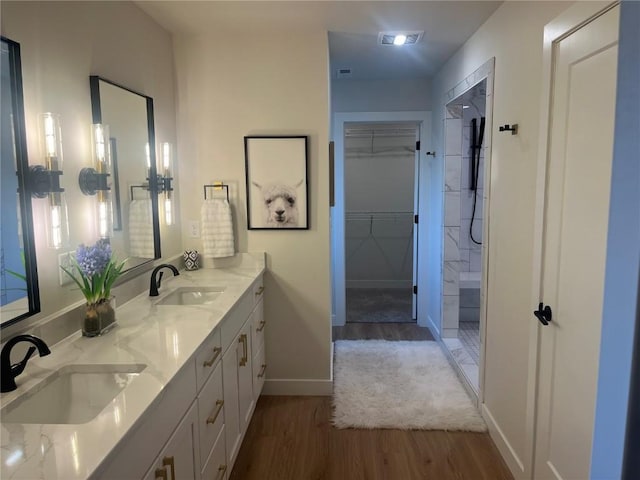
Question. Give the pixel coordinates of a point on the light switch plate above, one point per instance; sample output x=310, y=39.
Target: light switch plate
x=194, y=229
x=64, y=260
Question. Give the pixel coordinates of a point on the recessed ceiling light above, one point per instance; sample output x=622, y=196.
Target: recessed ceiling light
x=399, y=38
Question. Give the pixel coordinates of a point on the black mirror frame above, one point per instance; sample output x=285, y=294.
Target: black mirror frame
x=22, y=165
x=96, y=111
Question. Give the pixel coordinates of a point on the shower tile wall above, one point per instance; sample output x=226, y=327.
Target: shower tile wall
x=460, y=253
x=470, y=253
x=452, y=215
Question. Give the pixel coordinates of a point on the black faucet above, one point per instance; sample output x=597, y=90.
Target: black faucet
x=155, y=284
x=9, y=372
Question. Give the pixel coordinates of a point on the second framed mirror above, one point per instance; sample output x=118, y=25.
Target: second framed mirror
x=126, y=121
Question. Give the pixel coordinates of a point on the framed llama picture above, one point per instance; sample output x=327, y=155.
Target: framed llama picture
x=277, y=187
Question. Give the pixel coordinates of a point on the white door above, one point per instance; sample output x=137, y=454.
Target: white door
x=580, y=148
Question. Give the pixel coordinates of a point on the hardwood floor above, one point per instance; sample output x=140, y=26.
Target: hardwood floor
x=291, y=438
x=381, y=331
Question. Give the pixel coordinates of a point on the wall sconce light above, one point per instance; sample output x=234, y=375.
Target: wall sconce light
x=95, y=180
x=164, y=183
x=44, y=181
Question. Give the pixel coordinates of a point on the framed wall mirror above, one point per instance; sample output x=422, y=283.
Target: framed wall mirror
x=19, y=297
x=129, y=117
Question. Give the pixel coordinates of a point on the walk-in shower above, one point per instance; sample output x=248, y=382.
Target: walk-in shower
x=465, y=132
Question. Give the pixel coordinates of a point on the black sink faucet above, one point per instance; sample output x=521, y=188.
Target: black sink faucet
x=155, y=284
x=9, y=372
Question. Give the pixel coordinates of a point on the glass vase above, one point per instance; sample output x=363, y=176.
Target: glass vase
x=99, y=317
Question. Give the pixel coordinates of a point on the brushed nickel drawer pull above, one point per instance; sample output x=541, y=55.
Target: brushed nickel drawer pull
x=161, y=473
x=261, y=327
x=262, y=370
x=216, y=353
x=260, y=290
x=245, y=349
x=221, y=470
x=168, y=461
x=219, y=404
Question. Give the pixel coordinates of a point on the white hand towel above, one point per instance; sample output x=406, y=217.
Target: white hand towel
x=141, y=229
x=217, y=228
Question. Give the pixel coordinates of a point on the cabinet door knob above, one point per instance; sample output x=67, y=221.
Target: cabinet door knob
x=212, y=418
x=245, y=349
x=221, y=470
x=216, y=354
x=168, y=461
x=260, y=290
x=261, y=327
x=262, y=370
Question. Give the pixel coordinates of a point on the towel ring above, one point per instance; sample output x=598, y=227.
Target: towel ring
x=226, y=187
x=145, y=187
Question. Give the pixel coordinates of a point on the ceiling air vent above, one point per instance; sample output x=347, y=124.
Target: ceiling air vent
x=344, y=73
x=399, y=38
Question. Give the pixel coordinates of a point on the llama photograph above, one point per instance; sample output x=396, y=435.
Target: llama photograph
x=277, y=188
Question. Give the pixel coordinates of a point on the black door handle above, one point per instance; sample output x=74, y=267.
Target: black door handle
x=543, y=314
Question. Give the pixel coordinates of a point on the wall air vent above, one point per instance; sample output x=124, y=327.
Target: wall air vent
x=399, y=38
x=344, y=73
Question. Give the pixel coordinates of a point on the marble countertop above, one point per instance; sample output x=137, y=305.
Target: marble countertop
x=164, y=338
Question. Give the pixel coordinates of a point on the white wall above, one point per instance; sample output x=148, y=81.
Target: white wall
x=393, y=95
x=513, y=35
x=61, y=45
x=265, y=84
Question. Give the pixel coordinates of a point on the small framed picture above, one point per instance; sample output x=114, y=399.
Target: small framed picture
x=277, y=188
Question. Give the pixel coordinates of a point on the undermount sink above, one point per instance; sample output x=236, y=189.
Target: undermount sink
x=192, y=296
x=73, y=394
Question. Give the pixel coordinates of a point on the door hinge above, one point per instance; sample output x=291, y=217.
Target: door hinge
x=417, y=144
x=415, y=289
x=415, y=219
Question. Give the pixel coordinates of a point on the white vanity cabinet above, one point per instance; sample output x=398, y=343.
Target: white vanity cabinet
x=218, y=389
x=134, y=456
x=176, y=460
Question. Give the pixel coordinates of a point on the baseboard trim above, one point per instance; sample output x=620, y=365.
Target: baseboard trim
x=298, y=387
x=504, y=447
x=435, y=331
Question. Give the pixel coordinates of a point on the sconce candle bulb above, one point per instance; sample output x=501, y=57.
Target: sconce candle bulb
x=44, y=181
x=164, y=182
x=50, y=125
x=96, y=180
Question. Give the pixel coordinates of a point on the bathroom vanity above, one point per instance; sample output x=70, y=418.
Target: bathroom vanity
x=167, y=394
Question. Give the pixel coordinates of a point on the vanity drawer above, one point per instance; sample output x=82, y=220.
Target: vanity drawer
x=207, y=357
x=258, y=290
x=210, y=413
x=257, y=327
x=259, y=372
x=216, y=467
x=232, y=324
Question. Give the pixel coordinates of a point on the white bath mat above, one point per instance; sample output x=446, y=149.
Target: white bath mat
x=404, y=385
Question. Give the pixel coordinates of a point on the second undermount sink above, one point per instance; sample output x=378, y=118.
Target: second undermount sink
x=192, y=296
x=71, y=395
